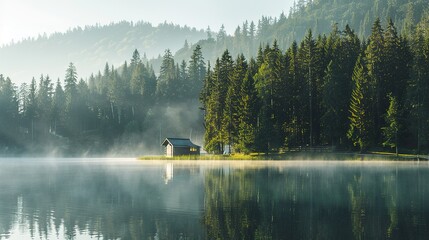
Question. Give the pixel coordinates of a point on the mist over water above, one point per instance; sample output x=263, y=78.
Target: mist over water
x=129, y=199
x=183, y=120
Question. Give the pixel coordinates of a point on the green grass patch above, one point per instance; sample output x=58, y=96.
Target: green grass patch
x=261, y=156
x=335, y=156
x=390, y=154
x=202, y=157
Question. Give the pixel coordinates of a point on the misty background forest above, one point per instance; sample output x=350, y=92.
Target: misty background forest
x=355, y=81
x=123, y=110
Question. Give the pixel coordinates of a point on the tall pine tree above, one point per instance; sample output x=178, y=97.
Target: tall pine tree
x=360, y=112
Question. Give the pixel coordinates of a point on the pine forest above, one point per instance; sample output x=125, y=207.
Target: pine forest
x=342, y=90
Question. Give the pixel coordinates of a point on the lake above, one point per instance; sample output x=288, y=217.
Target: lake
x=130, y=199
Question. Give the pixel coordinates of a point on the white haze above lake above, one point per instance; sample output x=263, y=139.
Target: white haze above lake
x=28, y=18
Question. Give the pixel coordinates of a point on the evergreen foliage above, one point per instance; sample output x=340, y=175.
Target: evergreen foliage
x=361, y=124
x=391, y=131
x=326, y=90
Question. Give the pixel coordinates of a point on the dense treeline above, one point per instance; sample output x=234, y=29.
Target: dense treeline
x=129, y=104
x=331, y=90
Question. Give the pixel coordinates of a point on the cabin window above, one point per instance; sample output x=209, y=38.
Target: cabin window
x=193, y=149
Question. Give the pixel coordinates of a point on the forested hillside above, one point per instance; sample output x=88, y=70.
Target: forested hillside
x=320, y=16
x=89, y=48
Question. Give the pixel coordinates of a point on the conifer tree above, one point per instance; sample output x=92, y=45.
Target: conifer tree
x=137, y=79
x=252, y=29
x=231, y=113
x=418, y=87
x=117, y=94
x=214, y=97
x=23, y=100
x=85, y=115
x=391, y=130
x=222, y=83
x=309, y=63
x=149, y=86
x=70, y=91
x=70, y=81
x=92, y=84
x=207, y=87
x=360, y=119
x=331, y=118
x=376, y=72
x=58, y=105
x=271, y=87
x=44, y=101
x=168, y=79
x=343, y=51
x=392, y=69
x=295, y=125
x=31, y=114
x=135, y=60
x=184, y=83
x=9, y=112
x=205, y=98
x=249, y=107
x=196, y=71
x=213, y=107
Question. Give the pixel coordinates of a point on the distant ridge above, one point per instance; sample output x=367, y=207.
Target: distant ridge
x=90, y=48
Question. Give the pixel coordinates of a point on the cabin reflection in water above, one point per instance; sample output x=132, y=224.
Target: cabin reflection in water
x=168, y=172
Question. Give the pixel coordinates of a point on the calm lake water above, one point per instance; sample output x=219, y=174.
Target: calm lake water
x=130, y=199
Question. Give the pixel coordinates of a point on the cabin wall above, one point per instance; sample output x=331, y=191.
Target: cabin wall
x=181, y=151
x=169, y=151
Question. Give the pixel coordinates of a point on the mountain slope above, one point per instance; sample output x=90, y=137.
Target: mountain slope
x=90, y=48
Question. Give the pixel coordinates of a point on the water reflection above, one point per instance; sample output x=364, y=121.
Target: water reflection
x=225, y=201
x=79, y=201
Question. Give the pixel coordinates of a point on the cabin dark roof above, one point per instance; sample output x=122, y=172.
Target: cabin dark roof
x=179, y=142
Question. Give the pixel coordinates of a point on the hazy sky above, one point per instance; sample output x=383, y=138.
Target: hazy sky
x=23, y=18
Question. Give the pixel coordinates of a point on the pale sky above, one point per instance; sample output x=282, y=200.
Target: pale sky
x=23, y=18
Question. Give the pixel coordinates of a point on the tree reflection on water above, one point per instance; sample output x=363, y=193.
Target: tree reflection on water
x=57, y=201
x=317, y=203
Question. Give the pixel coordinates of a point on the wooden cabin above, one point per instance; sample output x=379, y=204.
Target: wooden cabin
x=180, y=147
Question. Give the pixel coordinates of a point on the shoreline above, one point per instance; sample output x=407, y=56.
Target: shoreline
x=294, y=156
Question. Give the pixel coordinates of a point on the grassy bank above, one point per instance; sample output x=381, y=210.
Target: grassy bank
x=297, y=156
